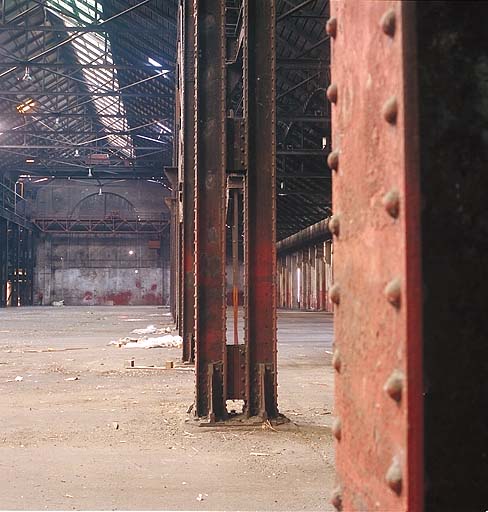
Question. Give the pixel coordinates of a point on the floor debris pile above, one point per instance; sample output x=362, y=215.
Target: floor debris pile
x=142, y=340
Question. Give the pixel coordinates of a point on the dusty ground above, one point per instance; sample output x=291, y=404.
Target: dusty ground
x=121, y=439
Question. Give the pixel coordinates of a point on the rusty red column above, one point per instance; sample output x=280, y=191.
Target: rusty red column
x=377, y=286
x=210, y=190
x=260, y=110
x=186, y=172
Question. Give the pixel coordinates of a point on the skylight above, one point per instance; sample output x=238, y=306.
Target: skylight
x=154, y=63
x=91, y=48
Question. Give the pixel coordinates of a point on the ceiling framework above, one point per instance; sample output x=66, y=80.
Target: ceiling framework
x=87, y=87
x=303, y=115
x=87, y=91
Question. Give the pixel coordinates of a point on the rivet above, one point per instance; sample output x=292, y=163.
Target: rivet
x=388, y=23
x=331, y=27
x=334, y=224
x=393, y=291
x=337, y=428
x=394, y=385
x=337, y=360
x=332, y=93
x=336, y=498
x=394, y=476
x=333, y=160
x=335, y=294
x=390, y=110
x=391, y=202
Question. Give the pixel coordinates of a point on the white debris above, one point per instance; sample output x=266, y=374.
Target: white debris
x=72, y=378
x=167, y=341
x=19, y=378
x=200, y=497
x=150, y=329
x=58, y=303
x=124, y=341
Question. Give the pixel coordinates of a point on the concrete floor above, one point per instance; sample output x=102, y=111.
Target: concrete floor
x=121, y=439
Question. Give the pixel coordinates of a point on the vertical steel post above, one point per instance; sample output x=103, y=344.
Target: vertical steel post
x=210, y=187
x=452, y=53
x=377, y=288
x=3, y=261
x=187, y=72
x=260, y=111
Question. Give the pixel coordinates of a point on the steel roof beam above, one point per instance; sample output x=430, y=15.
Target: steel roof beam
x=76, y=36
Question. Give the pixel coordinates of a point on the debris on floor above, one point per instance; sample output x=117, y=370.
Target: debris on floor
x=167, y=341
x=58, y=303
x=150, y=329
x=19, y=378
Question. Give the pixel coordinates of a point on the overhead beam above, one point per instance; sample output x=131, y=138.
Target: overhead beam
x=76, y=36
x=115, y=93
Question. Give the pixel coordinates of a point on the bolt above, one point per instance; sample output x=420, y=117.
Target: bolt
x=331, y=27
x=388, y=23
x=334, y=224
x=332, y=93
x=335, y=294
x=336, y=498
x=333, y=160
x=337, y=428
x=391, y=202
x=337, y=361
x=394, y=476
x=393, y=292
x=390, y=110
x=394, y=385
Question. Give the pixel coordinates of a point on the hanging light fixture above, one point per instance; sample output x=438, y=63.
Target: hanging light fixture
x=27, y=76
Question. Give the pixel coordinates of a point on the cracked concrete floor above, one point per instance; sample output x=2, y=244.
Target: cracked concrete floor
x=122, y=440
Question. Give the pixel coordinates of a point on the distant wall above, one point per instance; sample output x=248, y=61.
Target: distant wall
x=95, y=268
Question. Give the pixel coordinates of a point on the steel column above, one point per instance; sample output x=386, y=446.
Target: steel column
x=260, y=111
x=377, y=286
x=187, y=170
x=210, y=186
x=452, y=53
x=3, y=261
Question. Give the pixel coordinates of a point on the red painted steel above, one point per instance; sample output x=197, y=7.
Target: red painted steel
x=260, y=101
x=210, y=188
x=186, y=153
x=376, y=261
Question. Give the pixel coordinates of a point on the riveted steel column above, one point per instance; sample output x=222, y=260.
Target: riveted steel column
x=377, y=289
x=452, y=57
x=3, y=261
x=172, y=204
x=187, y=174
x=259, y=101
x=210, y=188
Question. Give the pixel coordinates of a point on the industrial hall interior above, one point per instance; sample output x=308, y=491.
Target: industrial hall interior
x=243, y=255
